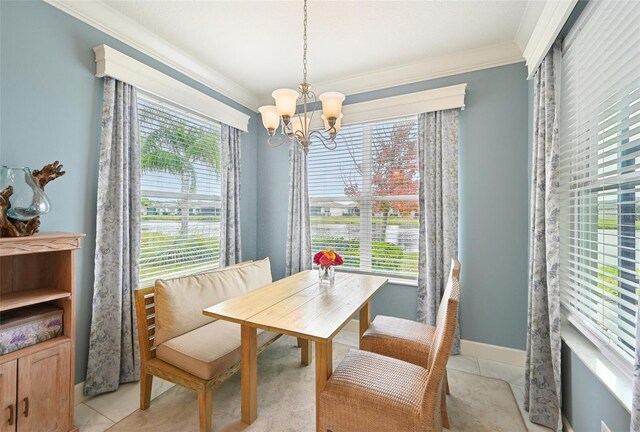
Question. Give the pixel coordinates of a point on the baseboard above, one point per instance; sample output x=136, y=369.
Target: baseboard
x=566, y=426
x=493, y=352
x=78, y=394
x=474, y=349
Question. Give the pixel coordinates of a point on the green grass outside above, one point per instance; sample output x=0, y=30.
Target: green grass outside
x=178, y=218
x=355, y=220
x=175, y=254
x=611, y=280
x=386, y=257
x=612, y=224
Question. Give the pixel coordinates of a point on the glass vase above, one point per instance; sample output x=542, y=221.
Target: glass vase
x=327, y=275
x=27, y=200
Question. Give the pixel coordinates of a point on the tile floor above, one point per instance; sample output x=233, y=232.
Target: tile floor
x=99, y=413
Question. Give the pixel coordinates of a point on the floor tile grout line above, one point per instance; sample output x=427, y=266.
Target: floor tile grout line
x=95, y=410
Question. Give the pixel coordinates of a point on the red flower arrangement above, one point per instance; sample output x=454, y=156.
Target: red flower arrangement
x=327, y=258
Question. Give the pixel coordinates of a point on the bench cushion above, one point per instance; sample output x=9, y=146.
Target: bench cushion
x=209, y=350
x=179, y=302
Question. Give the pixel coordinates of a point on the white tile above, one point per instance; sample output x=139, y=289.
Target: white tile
x=506, y=372
x=464, y=364
x=122, y=402
x=89, y=420
x=518, y=392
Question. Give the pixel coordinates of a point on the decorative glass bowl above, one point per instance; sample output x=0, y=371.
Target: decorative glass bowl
x=28, y=200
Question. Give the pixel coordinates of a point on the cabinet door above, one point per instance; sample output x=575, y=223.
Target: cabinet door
x=8, y=381
x=43, y=390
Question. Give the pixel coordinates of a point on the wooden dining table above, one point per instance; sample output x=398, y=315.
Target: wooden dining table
x=298, y=306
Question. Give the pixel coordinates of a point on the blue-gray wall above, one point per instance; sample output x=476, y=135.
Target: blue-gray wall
x=50, y=110
x=493, y=206
x=586, y=401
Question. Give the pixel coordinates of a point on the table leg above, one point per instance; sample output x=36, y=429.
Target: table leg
x=305, y=353
x=365, y=319
x=324, y=368
x=249, y=373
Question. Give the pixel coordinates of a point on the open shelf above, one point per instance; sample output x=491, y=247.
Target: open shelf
x=19, y=299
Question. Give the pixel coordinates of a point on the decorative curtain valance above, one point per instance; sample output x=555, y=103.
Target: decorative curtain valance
x=113, y=63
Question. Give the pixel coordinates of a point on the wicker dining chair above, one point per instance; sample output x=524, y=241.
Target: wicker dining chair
x=408, y=340
x=369, y=392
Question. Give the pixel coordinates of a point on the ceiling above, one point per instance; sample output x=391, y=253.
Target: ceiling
x=354, y=46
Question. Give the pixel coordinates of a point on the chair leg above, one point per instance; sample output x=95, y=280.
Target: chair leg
x=205, y=409
x=446, y=382
x=443, y=408
x=146, y=381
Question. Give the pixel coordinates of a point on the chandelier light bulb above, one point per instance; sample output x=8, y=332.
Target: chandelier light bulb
x=285, y=101
x=270, y=117
x=331, y=104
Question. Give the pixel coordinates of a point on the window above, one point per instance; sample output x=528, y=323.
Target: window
x=600, y=174
x=364, y=197
x=180, y=199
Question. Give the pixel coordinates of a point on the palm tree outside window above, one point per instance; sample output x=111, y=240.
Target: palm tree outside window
x=181, y=195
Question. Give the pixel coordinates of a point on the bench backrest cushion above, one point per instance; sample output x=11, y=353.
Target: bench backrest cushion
x=180, y=301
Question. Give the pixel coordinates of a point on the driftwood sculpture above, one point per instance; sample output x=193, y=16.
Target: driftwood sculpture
x=10, y=227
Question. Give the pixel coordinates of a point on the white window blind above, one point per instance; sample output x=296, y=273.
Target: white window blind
x=600, y=173
x=180, y=184
x=364, y=197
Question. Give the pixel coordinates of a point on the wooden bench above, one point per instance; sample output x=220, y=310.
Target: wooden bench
x=151, y=365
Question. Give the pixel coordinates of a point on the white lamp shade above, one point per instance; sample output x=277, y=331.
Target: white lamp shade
x=337, y=126
x=285, y=101
x=270, y=117
x=331, y=104
x=296, y=125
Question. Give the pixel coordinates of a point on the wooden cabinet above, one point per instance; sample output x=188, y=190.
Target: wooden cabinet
x=8, y=387
x=37, y=382
x=34, y=396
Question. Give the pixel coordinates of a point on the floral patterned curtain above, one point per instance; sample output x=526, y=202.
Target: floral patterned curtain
x=230, y=248
x=113, y=346
x=542, y=376
x=298, y=225
x=438, y=196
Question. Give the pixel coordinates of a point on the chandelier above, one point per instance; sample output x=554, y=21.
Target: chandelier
x=295, y=127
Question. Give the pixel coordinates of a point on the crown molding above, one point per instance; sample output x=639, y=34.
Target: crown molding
x=529, y=19
x=426, y=69
x=104, y=18
x=554, y=16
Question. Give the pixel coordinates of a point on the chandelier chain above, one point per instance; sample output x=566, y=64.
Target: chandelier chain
x=304, y=46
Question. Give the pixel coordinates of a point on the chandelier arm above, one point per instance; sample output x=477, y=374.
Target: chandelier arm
x=277, y=142
x=329, y=142
x=287, y=129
